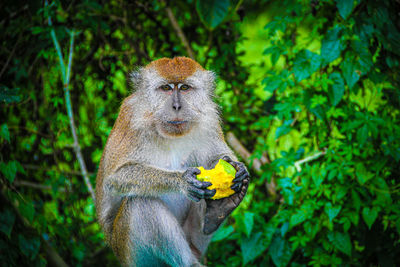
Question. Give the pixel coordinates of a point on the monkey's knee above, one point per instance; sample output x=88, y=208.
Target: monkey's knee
x=156, y=232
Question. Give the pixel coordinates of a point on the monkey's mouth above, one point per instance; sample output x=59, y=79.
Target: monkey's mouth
x=177, y=122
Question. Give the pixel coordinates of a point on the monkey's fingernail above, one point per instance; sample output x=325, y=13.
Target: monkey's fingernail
x=236, y=187
x=210, y=193
x=206, y=184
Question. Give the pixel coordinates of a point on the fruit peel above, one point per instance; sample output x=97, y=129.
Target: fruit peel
x=221, y=178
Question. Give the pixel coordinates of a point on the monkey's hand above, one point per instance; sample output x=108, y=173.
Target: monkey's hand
x=217, y=210
x=197, y=190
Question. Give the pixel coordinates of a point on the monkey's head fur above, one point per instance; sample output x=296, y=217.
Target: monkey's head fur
x=174, y=96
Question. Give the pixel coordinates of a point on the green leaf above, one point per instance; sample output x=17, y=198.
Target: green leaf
x=273, y=82
x=275, y=52
x=337, y=90
x=284, y=229
x=79, y=252
x=9, y=170
x=212, y=13
x=245, y=222
x=27, y=210
x=8, y=95
x=364, y=56
x=345, y=7
x=362, y=134
x=252, y=247
x=362, y=174
x=356, y=200
x=280, y=251
x=5, y=133
x=369, y=216
x=7, y=219
x=332, y=45
x=29, y=246
x=341, y=241
x=318, y=179
x=350, y=70
x=297, y=218
x=305, y=64
x=222, y=233
x=284, y=129
x=332, y=211
x=37, y=30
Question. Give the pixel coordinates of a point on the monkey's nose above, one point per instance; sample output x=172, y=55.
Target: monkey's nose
x=177, y=106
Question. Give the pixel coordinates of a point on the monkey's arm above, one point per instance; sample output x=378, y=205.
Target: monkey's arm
x=138, y=179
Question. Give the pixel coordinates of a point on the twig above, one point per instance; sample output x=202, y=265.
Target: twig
x=28, y=130
x=19, y=183
x=10, y=56
x=234, y=142
x=307, y=159
x=66, y=78
x=179, y=32
x=13, y=14
x=40, y=168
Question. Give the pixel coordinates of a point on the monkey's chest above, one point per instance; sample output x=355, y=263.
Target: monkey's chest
x=176, y=160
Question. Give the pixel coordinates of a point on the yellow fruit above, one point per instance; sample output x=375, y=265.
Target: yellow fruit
x=220, y=177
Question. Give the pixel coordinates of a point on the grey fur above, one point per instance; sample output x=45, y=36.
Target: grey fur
x=161, y=222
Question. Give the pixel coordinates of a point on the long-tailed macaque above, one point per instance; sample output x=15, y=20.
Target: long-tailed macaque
x=151, y=207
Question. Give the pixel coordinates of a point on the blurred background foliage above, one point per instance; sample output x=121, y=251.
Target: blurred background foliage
x=310, y=88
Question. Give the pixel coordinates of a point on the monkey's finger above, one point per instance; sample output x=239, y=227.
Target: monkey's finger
x=204, y=185
x=194, y=198
x=201, y=193
x=196, y=183
x=198, y=193
x=209, y=193
x=193, y=170
x=240, y=175
x=237, y=165
x=227, y=159
x=245, y=185
x=191, y=173
x=236, y=187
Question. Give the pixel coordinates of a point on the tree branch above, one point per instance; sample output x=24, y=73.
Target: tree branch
x=41, y=168
x=19, y=183
x=307, y=159
x=179, y=32
x=10, y=56
x=66, y=77
x=234, y=142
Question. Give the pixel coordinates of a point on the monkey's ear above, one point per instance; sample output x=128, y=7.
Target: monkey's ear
x=212, y=75
x=135, y=78
x=211, y=79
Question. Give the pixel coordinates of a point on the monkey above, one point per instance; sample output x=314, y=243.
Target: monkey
x=152, y=209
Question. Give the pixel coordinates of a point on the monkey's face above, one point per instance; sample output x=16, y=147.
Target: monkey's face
x=178, y=112
x=179, y=94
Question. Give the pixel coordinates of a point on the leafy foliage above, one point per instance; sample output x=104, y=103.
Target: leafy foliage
x=312, y=90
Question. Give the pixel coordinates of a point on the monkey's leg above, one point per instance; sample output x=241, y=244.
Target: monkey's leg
x=147, y=234
x=193, y=228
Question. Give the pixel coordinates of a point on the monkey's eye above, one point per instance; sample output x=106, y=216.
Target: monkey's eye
x=165, y=87
x=184, y=87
